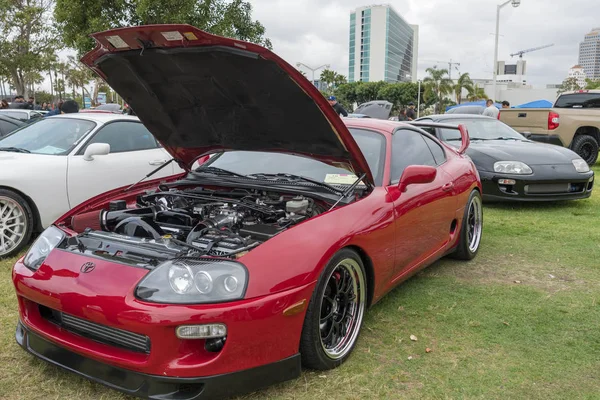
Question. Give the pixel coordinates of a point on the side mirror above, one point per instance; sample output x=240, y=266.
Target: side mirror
x=526, y=134
x=96, y=149
x=416, y=174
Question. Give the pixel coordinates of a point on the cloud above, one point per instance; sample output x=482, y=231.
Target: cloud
x=316, y=32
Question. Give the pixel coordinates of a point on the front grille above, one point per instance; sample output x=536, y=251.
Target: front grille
x=554, y=188
x=99, y=333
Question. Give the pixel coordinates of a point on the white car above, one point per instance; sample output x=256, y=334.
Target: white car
x=52, y=165
x=22, y=114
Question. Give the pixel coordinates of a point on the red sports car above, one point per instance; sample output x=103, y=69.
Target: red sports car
x=264, y=259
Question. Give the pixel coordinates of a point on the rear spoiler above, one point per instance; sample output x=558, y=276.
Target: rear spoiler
x=464, y=134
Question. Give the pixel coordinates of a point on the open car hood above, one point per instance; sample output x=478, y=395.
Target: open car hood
x=199, y=94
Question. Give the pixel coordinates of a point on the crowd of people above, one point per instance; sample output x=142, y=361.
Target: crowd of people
x=62, y=107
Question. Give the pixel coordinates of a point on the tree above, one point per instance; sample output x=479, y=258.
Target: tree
x=437, y=85
x=232, y=18
x=331, y=79
x=78, y=76
x=346, y=94
x=477, y=93
x=569, y=85
x=368, y=91
x=592, y=84
x=463, y=82
x=27, y=39
x=399, y=94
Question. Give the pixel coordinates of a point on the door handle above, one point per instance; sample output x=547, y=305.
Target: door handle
x=157, y=162
x=448, y=187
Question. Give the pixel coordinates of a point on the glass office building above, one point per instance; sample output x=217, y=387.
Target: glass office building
x=382, y=46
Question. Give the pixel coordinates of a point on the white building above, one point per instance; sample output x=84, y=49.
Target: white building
x=578, y=73
x=383, y=46
x=589, y=54
x=514, y=73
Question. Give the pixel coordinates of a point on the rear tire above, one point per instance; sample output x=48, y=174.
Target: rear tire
x=16, y=223
x=586, y=147
x=335, y=312
x=471, y=229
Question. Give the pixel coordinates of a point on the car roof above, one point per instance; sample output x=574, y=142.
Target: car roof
x=97, y=117
x=384, y=126
x=442, y=117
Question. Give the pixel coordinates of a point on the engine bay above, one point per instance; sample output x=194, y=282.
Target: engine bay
x=169, y=223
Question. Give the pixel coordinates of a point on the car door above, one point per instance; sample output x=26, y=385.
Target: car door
x=133, y=153
x=424, y=213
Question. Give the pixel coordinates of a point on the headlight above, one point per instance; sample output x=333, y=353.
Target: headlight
x=194, y=281
x=580, y=165
x=512, y=167
x=44, y=244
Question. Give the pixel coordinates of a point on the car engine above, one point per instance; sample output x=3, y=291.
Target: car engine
x=171, y=223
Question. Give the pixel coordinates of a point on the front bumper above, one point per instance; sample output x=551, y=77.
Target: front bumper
x=538, y=187
x=159, y=387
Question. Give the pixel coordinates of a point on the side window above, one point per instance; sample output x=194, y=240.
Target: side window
x=436, y=150
x=6, y=127
x=124, y=136
x=409, y=148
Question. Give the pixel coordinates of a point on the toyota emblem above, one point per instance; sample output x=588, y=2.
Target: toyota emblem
x=87, y=267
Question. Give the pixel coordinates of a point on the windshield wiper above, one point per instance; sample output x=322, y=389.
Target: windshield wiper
x=348, y=191
x=292, y=178
x=15, y=149
x=218, y=171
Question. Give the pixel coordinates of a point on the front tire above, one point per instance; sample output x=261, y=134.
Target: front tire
x=335, y=312
x=471, y=229
x=16, y=223
x=586, y=147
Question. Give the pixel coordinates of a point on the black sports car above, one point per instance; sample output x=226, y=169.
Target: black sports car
x=515, y=168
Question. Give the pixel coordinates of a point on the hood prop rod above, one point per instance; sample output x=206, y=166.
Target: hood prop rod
x=150, y=174
x=350, y=189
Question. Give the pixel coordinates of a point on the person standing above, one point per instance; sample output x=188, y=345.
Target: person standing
x=18, y=103
x=411, y=114
x=505, y=104
x=402, y=115
x=4, y=105
x=337, y=107
x=491, y=110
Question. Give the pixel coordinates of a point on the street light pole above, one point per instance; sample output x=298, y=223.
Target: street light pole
x=515, y=3
x=419, y=99
x=298, y=64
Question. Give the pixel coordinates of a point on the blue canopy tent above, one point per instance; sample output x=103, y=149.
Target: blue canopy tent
x=473, y=103
x=536, y=104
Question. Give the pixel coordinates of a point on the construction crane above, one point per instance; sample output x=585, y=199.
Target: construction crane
x=450, y=65
x=520, y=53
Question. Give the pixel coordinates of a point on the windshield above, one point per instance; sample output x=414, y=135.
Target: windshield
x=54, y=136
x=20, y=115
x=483, y=129
x=371, y=144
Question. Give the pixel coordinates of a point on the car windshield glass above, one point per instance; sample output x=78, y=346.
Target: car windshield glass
x=20, y=115
x=483, y=129
x=54, y=136
x=578, y=100
x=250, y=162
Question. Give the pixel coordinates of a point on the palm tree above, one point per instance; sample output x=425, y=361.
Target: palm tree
x=476, y=93
x=438, y=85
x=463, y=82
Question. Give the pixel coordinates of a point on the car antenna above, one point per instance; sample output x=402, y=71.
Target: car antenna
x=150, y=174
x=350, y=189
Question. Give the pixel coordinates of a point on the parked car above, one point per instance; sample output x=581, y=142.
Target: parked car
x=8, y=124
x=573, y=122
x=112, y=107
x=357, y=116
x=473, y=110
x=264, y=259
x=379, y=109
x=21, y=114
x=54, y=164
x=513, y=168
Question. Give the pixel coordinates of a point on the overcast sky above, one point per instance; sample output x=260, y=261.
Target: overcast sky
x=316, y=32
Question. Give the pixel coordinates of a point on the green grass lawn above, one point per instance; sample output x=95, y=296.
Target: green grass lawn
x=521, y=321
